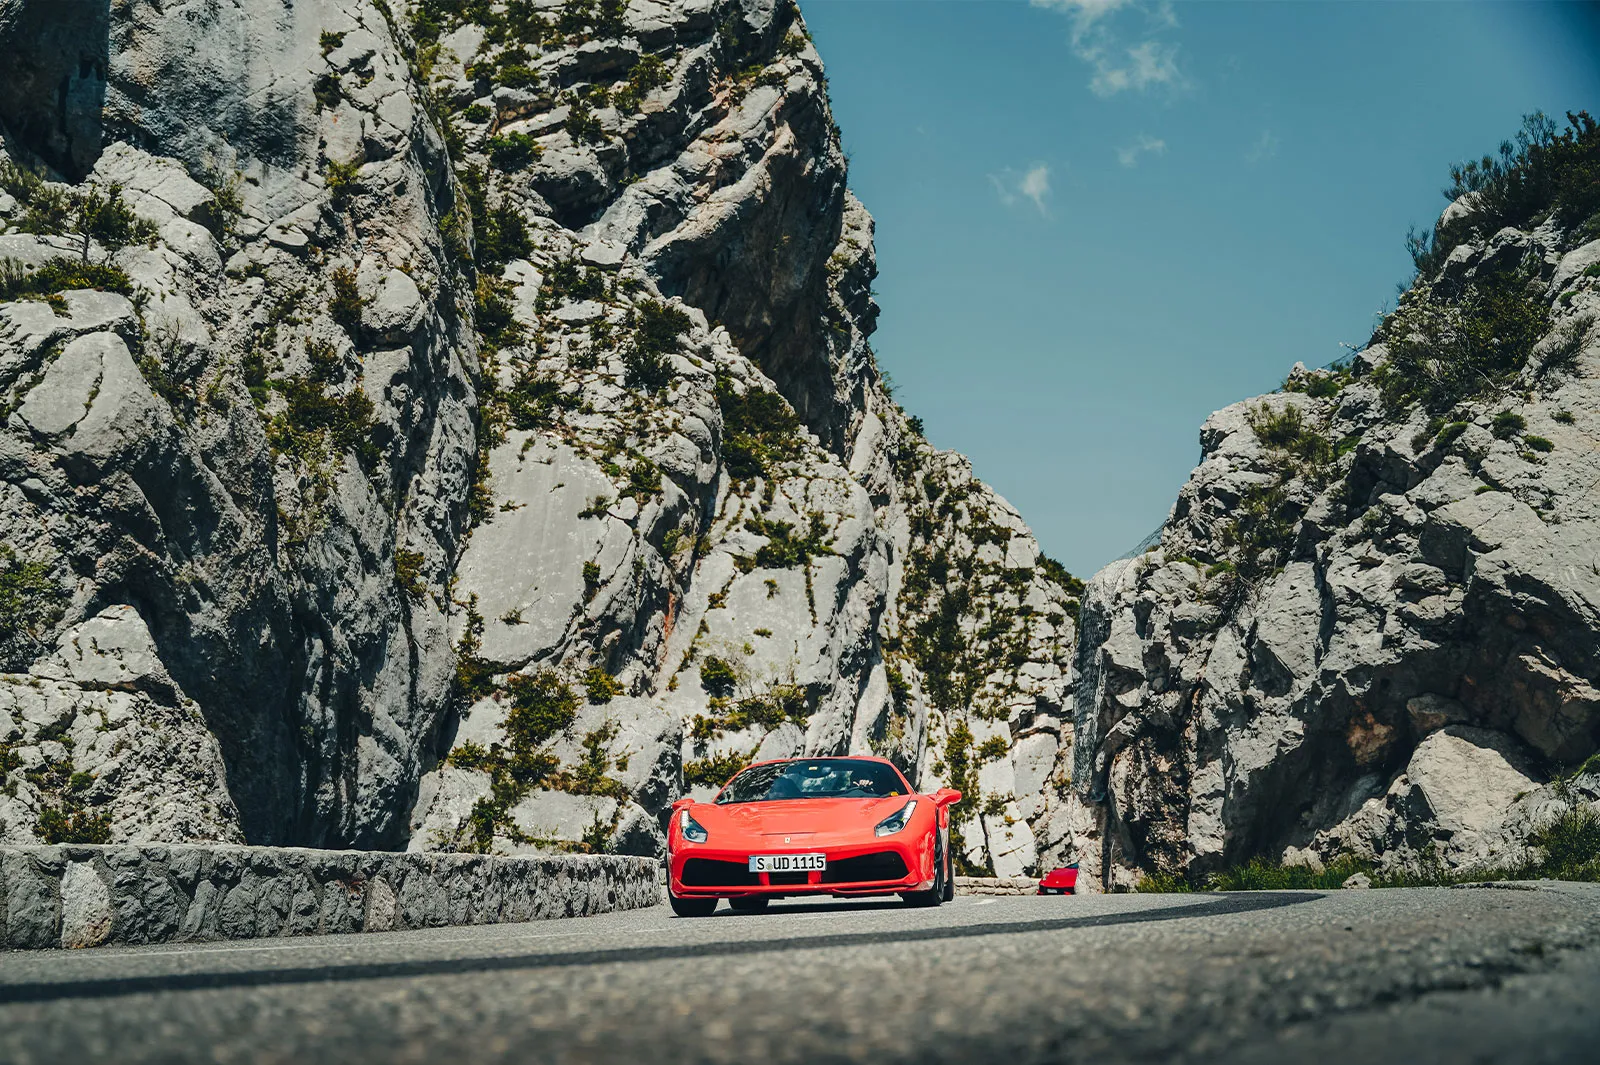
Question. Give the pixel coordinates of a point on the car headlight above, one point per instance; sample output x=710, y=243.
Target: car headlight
x=896, y=821
x=693, y=830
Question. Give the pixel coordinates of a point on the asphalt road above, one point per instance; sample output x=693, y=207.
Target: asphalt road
x=1439, y=975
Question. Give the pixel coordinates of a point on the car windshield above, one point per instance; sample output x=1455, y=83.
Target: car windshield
x=814, y=778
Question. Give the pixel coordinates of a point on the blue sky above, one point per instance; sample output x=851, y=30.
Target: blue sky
x=1100, y=221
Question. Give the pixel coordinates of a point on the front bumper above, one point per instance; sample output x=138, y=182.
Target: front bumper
x=881, y=867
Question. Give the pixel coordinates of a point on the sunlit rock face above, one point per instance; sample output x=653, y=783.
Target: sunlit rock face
x=465, y=420
x=1372, y=626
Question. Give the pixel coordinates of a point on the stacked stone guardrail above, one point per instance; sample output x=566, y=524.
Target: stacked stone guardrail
x=997, y=885
x=78, y=896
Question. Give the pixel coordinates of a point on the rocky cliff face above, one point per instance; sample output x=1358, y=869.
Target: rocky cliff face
x=1371, y=626
x=453, y=425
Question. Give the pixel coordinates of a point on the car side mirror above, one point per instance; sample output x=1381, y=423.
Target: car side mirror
x=946, y=797
x=681, y=803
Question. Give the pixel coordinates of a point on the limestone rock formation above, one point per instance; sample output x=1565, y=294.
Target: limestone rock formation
x=1372, y=624
x=452, y=425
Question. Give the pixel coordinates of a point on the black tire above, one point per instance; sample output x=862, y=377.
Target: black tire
x=949, y=877
x=942, y=883
x=750, y=903
x=691, y=907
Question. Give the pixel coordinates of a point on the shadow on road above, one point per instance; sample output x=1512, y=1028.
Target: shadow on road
x=112, y=988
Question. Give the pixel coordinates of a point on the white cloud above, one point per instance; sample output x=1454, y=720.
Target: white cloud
x=1148, y=63
x=1032, y=185
x=1036, y=186
x=1265, y=147
x=1145, y=145
x=1117, y=66
x=1083, y=12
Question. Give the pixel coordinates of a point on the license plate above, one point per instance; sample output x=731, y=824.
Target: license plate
x=787, y=863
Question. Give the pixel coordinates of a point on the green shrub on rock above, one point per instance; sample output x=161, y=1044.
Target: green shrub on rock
x=57, y=275
x=717, y=677
x=513, y=151
x=657, y=329
x=760, y=431
x=715, y=771
x=1537, y=443
x=1507, y=424
x=601, y=686
x=31, y=602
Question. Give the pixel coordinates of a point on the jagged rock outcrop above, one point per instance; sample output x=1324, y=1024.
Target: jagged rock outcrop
x=213, y=447
x=473, y=402
x=1371, y=625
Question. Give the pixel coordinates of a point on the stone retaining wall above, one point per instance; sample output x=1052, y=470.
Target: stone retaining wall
x=997, y=885
x=80, y=896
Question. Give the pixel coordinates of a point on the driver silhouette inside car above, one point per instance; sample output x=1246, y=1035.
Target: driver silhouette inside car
x=869, y=781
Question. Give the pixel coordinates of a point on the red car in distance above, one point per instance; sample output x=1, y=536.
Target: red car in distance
x=846, y=826
x=1063, y=881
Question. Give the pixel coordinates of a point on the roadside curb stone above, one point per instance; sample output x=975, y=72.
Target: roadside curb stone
x=83, y=895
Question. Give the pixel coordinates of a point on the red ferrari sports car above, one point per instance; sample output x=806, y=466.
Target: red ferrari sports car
x=810, y=826
x=1063, y=881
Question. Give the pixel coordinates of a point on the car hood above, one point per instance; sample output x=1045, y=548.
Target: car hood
x=801, y=820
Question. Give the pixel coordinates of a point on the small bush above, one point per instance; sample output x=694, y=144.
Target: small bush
x=1162, y=884
x=1537, y=443
x=408, y=572
x=717, y=677
x=31, y=602
x=474, y=676
x=328, y=91
x=566, y=280
x=58, y=825
x=1507, y=424
x=649, y=73
x=1262, y=875
x=513, y=151
x=541, y=707
x=344, y=306
x=342, y=178
x=1564, y=416
x=591, y=580
x=1323, y=386
x=1449, y=433
x=61, y=274
x=657, y=328
x=993, y=749
x=477, y=114
x=1286, y=430
x=760, y=431
x=582, y=124
x=329, y=40
x=315, y=418
x=644, y=480
x=1443, y=353
x=222, y=214
x=1569, y=844
x=715, y=771
x=107, y=219
x=533, y=401
x=601, y=686
x=784, y=549
x=1057, y=574
x=518, y=76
